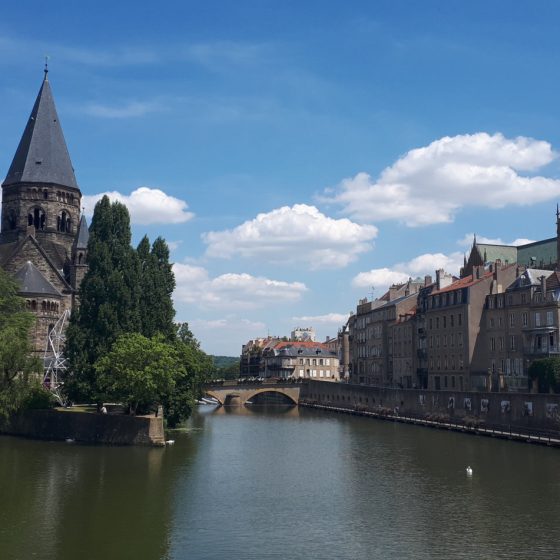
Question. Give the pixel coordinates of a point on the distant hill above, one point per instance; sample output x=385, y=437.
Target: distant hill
x=225, y=361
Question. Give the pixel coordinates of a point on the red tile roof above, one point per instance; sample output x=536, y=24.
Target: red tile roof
x=465, y=282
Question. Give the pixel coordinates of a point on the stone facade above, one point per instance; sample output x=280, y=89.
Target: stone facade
x=369, y=333
x=43, y=237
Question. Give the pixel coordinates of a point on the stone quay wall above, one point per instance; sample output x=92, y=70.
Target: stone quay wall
x=528, y=411
x=85, y=427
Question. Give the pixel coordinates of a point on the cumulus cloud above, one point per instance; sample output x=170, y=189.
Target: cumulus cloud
x=299, y=233
x=146, y=206
x=467, y=240
x=381, y=278
x=429, y=185
x=329, y=318
x=232, y=291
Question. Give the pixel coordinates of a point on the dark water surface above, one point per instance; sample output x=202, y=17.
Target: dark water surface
x=286, y=484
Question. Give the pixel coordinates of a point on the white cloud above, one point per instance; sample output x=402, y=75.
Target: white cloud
x=467, y=240
x=381, y=278
x=429, y=185
x=300, y=233
x=329, y=318
x=232, y=291
x=146, y=206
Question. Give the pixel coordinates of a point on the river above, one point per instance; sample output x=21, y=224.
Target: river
x=281, y=484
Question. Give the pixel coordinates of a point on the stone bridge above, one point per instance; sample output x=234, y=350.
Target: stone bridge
x=239, y=394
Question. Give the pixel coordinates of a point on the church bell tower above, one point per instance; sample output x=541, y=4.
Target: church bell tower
x=40, y=195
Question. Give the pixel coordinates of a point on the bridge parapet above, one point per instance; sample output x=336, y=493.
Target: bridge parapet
x=239, y=394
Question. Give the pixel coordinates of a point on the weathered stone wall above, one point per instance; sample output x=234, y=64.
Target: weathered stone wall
x=84, y=427
x=505, y=410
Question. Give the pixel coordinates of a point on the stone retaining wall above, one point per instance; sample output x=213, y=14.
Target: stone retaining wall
x=85, y=427
x=537, y=412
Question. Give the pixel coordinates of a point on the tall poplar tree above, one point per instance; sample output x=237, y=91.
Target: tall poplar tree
x=109, y=297
x=157, y=283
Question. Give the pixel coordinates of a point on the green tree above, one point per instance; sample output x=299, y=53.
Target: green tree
x=16, y=361
x=547, y=373
x=157, y=283
x=109, y=297
x=195, y=368
x=139, y=371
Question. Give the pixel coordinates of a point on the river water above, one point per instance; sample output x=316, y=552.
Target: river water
x=281, y=484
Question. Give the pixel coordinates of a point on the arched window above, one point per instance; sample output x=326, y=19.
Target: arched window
x=63, y=222
x=46, y=194
x=43, y=305
x=37, y=218
x=33, y=305
x=80, y=257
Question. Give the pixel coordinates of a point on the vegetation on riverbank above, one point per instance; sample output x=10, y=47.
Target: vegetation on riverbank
x=19, y=371
x=122, y=343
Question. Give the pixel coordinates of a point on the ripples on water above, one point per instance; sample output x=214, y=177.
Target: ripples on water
x=282, y=484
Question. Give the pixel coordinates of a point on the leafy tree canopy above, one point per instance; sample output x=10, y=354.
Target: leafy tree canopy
x=547, y=373
x=139, y=371
x=16, y=361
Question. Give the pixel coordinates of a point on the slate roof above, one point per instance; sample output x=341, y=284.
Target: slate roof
x=33, y=282
x=82, y=238
x=530, y=277
x=42, y=155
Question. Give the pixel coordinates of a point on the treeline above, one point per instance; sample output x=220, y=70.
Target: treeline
x=122, y=343
x=20, y=386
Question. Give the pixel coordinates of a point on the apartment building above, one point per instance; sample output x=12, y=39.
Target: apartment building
x=371, y=362
x=453, y=311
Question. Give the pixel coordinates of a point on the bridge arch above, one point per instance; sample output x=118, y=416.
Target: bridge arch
x=239, y=395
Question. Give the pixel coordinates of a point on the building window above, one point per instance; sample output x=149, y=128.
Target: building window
x=437, y=322
x=459, y=319
x=451, y=320
x=525, y=318
x=491, y=322
x=501, y=339
x=444, y=321
x=537, y=319
x=490, y=303
x=523, y=298
x=512, y=342
x=549, y=318
x=492, y=344
x=511, y=319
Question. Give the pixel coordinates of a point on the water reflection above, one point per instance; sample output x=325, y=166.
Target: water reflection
x=267, y=483
x=68, y=501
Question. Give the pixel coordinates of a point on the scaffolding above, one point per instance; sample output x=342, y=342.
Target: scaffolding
x=54, y=359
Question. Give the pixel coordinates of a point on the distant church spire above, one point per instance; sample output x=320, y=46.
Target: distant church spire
x=42, y=155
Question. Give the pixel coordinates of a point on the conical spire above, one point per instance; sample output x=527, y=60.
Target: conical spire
x=42, y=155
x=81, y=241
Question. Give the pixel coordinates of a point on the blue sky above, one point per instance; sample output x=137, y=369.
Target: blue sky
x=295, y=154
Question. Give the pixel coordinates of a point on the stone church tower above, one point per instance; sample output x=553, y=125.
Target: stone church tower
x=43, y=236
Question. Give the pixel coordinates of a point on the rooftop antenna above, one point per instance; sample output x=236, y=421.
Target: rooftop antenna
x=372, y=290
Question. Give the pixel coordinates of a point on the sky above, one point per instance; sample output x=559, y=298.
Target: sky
x=298, y=156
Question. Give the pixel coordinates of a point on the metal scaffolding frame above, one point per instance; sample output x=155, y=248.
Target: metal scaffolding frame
x=54, y=359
